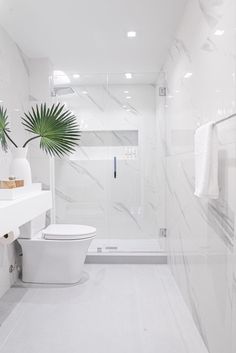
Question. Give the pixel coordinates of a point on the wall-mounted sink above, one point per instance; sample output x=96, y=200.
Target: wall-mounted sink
x=15, y=213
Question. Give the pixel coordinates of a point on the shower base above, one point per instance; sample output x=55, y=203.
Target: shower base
x=123, y=251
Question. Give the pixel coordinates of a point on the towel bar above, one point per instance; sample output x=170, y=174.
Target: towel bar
x=224, y=119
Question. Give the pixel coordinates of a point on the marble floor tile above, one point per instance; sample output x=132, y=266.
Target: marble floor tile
x=116, y=309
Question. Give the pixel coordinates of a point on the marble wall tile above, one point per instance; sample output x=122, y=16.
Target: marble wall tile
x=200, y=77
x=14, y=92
x=130, y=206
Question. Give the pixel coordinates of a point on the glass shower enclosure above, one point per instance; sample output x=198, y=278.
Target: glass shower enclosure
x=113, y=181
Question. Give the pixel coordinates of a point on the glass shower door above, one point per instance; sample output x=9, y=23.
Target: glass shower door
x=112, y=181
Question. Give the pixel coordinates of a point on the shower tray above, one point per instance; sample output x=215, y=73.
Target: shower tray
x=123, y=251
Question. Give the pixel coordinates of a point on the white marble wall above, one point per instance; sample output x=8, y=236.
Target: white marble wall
x=201, y=233
x=14, y=92
x=130, y=206
x=40, y=92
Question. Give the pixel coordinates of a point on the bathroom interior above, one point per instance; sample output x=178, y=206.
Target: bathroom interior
x=118, y=176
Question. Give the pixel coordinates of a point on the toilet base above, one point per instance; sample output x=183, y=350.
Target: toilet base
x=53, y=261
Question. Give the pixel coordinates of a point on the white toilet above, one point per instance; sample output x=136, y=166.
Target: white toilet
x=56, y=254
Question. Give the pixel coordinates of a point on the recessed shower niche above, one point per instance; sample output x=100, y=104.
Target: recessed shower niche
x=119, y=144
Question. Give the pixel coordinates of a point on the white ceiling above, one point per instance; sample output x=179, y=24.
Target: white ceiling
x=90, y=35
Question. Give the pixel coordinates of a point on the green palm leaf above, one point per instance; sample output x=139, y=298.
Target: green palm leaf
x=3, y=128
x=56, y=127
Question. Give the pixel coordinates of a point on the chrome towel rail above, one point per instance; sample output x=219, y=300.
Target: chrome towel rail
x=224, y=119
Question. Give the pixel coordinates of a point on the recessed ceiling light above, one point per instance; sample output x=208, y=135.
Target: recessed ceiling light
x=128, y=97
x=131, y=34
x=188, y=74
x=219, y=32
x=76, y=76
x=1, y=101
x=84, y=92
x=126, y=92
x=128, y=75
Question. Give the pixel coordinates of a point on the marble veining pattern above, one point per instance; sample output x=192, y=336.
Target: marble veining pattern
x=124, y=308
x=210, y=11
x=201, y=237
x=14, y=93
x=82, y=170
x=130, y=205
x=122, y=208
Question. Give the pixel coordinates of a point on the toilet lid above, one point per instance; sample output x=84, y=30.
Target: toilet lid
x=68, y=232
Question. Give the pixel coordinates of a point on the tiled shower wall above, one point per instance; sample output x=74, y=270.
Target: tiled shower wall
x=200, y=76
x=14, y=93
x=129, y=206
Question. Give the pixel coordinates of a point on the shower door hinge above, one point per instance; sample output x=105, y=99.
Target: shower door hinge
x=162, y=91
x=163, y=232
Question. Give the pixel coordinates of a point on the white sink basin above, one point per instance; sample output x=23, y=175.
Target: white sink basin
x=13, y=194
x=15, y=213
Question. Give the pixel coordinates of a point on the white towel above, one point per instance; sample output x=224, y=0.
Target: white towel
x=206, y=161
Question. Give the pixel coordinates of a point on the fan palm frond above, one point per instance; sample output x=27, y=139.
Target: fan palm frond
x=4, y=128
x=56, y=127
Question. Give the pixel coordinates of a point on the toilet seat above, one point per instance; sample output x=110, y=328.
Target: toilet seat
x=68, y=232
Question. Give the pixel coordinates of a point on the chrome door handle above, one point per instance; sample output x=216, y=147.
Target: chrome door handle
x=115, y=167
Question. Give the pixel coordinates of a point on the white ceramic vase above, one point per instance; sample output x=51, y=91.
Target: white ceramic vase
x=20, y=167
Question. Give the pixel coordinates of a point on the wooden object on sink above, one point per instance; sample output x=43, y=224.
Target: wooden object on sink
x=7, y=184
x=11, y=184
x=19, y=183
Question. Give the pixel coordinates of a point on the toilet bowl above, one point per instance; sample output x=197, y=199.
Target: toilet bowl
x=56, y=254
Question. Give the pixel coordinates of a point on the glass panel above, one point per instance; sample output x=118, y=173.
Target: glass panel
x=111, y=181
